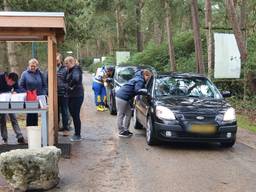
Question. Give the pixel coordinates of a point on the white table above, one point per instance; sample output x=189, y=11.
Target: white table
x=43, y=112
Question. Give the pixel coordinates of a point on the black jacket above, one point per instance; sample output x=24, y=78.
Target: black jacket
x=74, y=79
x=5, y=88
x=61, y=79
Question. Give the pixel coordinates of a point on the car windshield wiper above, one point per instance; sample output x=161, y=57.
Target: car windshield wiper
x=195, y=96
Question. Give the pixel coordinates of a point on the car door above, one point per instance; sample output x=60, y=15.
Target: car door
x=143, y=104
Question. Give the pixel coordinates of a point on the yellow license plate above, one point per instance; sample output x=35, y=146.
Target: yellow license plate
x=205, y=129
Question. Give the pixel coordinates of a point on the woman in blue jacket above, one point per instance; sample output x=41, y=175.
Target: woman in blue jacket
x=33, y=79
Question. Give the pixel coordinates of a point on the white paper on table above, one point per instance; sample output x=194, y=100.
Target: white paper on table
x=42, y=101
x=18, y=97
x=5, y=97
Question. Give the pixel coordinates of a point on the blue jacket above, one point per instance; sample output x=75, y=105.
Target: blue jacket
x=5, y=88
x=131, y=88
x=33, y=81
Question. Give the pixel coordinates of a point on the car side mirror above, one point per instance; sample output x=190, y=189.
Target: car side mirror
x=226, y=93
x=143, y=92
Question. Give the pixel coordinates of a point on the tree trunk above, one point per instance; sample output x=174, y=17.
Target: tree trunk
x=197, y=37
x=208, y=25
x=169, y=36
x=236, y=28
x=11, y=51
x=139, y=6
x=110, y=46
x=157, y=33
x=119, y=26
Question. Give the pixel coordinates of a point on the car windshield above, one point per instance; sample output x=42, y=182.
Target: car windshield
x=186, y=86
x=124, y=74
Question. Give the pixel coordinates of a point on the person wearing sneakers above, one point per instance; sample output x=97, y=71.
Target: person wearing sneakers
x=124, y=100
x=101, y=76
x=62, y=94
x=8, y=83
x=75, y=92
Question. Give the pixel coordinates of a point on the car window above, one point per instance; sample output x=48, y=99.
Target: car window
x=182, y=86
x=124, y=74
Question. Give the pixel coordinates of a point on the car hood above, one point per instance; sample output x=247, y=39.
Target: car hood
x=189, y=104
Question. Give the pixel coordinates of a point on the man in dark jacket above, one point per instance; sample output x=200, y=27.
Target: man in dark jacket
x=8, y=83
x=124, y=97
x=62, y=94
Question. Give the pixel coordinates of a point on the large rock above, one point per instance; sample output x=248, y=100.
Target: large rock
x=31, y=169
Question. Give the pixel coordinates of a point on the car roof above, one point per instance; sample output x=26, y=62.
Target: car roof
x=179, y=74
x=152, y=69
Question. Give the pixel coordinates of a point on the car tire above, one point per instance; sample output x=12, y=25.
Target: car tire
x=150, y=138
x=112, y=105
x=136, y=123
x=228, y=144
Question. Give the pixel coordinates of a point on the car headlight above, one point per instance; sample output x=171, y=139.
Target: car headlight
x=164, y=113
x=230, y=115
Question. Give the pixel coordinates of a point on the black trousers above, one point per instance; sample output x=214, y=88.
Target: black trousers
x=32, y=119
x=74, y=104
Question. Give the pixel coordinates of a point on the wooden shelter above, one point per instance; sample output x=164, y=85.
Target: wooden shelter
x=38, y=26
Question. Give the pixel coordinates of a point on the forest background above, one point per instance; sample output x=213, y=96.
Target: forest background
x=170, y=35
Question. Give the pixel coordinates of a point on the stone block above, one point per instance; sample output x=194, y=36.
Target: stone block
x=31, y=169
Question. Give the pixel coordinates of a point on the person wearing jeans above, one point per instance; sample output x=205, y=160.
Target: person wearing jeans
x=75, y=92
x=9, y=84
x=124, y=98
x=15, y=126
x=62, y=94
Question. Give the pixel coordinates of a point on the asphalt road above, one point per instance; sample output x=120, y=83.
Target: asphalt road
x=105, y=162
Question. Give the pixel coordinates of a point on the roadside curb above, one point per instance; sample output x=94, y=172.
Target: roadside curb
x=246, y=137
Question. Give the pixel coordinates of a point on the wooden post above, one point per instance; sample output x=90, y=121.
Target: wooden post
x=52, y=93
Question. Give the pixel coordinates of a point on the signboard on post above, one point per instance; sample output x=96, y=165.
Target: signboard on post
x=122, y=57
x=227, y=56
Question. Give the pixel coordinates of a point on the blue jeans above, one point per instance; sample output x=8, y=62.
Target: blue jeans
x=74, y=104
x=63, y=109
x=100, y=94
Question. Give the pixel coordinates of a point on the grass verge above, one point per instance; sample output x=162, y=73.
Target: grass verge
x=245, y=122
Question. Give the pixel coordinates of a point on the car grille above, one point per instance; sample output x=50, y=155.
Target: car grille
x=199, y=117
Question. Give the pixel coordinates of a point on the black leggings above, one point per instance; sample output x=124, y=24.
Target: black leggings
x=74, y=104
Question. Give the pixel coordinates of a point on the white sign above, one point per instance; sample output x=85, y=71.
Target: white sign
x=96, y=60
x=122, y=57
x=103, y=59
x=227, y=56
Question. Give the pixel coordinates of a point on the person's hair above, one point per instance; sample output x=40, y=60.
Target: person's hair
x=70, y=59
x=146, y=72
x=13, y=76
x=60, y=56
x=33, y=60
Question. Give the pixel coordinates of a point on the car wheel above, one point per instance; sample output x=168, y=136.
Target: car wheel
x=136, y=123
x=151, y=140
x=228, y=144
x=112, y=105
